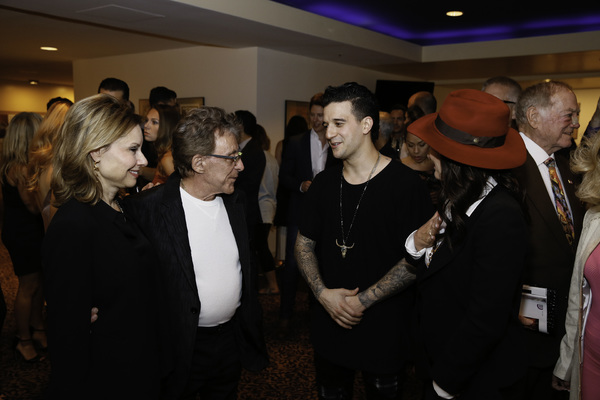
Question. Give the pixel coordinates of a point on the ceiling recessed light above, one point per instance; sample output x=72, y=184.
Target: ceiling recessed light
x=454, y=13
x=49, y=48
x=34, y=82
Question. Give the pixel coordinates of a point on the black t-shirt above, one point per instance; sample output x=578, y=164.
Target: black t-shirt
x=395, y=203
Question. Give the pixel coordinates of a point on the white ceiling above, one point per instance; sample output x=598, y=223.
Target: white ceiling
x=84, y=29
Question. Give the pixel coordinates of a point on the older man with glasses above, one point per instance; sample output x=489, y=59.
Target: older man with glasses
x=196, y=221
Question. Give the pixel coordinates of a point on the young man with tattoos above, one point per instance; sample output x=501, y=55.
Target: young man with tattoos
x=350, y=251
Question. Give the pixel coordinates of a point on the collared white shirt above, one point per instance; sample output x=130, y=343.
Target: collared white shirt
x=410, y=241
x=244, y=143
x=318, y=153
x=539, y=155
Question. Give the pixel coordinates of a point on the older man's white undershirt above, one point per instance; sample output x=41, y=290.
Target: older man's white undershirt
x=216, y=259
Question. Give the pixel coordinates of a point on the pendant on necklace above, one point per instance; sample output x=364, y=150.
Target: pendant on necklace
x=343, y=248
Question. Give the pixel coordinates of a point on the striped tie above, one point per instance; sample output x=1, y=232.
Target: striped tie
x=564, y=215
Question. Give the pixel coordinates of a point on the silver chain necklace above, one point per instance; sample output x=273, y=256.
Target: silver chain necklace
x=343, y=248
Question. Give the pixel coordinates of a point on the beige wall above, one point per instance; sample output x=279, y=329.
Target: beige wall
x=20, y=96
x=588, y=100
x=224, y=77
x=254, y=79
x=282, y=77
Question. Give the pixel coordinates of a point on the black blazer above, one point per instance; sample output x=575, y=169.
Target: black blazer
x=550, y=258
x=159, y=211
x=94, y=257
x=468, y=300
x=249, y=180
x=296, y=167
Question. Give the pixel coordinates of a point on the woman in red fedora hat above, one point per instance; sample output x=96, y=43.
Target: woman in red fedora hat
x=471, y=252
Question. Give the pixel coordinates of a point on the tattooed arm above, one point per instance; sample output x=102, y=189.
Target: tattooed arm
x=397, y=279
x=333, y=300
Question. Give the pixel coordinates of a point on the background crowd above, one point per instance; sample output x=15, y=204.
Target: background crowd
x=455, y=243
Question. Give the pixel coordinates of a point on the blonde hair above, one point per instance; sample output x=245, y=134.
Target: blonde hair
x=585, y=160
x=15, y=146
x=40, y=148
x=91, y=124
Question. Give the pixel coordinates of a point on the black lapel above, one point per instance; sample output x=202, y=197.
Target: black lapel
x=444, y=255
x=537, y=199
x=176, y=227
x=237, y=219
x=305, y=155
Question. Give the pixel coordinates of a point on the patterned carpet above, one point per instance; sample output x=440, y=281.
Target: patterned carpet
x=290, y=375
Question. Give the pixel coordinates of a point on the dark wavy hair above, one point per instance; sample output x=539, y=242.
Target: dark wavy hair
x=461, y=186
x=296, y=125
x=248, y=122
x=364, y=103
x=168, y=117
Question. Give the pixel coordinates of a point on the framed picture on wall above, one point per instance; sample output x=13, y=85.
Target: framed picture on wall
x=293, y=107
x=185, y=104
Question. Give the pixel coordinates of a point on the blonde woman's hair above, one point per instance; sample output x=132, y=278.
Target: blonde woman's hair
x=91, y=124
x=585, y=160
x=15, y=146
x=40, y=148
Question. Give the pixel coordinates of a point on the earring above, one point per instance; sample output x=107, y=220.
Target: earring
x=96, y=166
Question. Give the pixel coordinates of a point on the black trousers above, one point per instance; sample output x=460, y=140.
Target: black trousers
x=263, y=252
x=216, y=368
x=335, y=382
x=289, y=276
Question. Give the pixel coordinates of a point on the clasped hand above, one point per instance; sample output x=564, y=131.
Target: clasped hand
x=559, y=384
x=425, y=235
x=343, y=306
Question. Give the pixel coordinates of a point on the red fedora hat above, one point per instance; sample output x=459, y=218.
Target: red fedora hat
x=472, y=128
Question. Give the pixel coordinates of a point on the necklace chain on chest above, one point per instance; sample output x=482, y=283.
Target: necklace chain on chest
x=343, y=247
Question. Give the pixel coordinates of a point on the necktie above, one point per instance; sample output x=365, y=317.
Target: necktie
x=564, y=215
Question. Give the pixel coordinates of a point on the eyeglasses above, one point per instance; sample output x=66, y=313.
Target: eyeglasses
x=232, y=158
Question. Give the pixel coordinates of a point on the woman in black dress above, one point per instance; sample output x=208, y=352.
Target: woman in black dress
x=418, y=161
x=468, y=279
x=96, y=257
x=22, y=234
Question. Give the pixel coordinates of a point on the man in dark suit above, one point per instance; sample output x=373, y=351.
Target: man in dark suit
x=547, y=114
x=398, y=136
x=249, y=179
x=196, y=221
x=116, y=88
x=304, y=156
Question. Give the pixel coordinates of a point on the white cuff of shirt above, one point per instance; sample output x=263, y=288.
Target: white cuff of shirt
x=411, y=249
x=441, y=392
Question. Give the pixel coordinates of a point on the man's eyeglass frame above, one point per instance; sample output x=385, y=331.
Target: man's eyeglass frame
x=232, y=158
